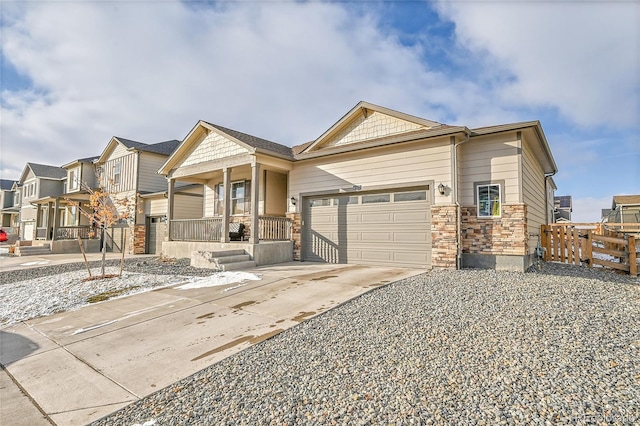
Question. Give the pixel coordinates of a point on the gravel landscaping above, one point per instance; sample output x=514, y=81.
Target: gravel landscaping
x=557, y=345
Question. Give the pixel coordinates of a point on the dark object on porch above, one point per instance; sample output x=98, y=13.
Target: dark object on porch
x=236, y=231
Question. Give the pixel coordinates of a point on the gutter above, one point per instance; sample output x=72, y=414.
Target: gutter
x=456, y=196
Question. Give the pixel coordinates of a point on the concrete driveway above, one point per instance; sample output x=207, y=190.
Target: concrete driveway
x=75, y=367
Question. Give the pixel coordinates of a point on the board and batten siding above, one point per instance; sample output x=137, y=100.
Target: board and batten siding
x=393, y=165
x=127, y=172
x=489, y=159
x=533, y=192
x=148, y=178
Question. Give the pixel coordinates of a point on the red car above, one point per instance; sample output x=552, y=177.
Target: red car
x=3, y=236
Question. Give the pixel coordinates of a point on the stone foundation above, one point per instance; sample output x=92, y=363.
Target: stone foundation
x=296, y=232
x=139, y=239
x=506, y=235
x=444, y=236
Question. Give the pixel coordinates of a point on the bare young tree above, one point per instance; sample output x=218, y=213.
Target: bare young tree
x=104, y=210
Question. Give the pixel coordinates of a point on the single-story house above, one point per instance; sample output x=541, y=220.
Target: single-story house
x=624, y=209
x=378, y=187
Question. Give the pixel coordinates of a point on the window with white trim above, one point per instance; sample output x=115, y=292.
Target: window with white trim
x=117, y=170
x=240, y=202
x=488, y=197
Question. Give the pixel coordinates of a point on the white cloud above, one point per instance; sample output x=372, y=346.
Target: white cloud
x=582, y=58
x=283, y=71
x=589, y=209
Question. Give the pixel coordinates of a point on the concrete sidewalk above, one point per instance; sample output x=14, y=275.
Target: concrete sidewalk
x=79, y=366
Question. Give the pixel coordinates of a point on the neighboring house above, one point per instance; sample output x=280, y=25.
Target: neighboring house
x=38, y=181
x=624, y=209
x=379, y=187
x=9, y=208
x=563, y=206
x=62, y=222
x=128, y=170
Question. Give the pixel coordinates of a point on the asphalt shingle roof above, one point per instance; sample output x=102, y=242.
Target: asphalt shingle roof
x=46, y=171
x=6, y=184
x=255, y=141
x=165, y=148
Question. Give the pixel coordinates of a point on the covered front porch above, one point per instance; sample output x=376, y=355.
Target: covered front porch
x=60, y=224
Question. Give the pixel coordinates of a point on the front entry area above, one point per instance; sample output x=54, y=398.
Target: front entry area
x=390, y=228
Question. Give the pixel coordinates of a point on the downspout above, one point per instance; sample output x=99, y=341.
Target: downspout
x=457, y=200
x=546, y=192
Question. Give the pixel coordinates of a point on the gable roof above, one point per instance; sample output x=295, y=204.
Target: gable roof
x=254, y=141
x=89, y=160
x=249, y=142
x=163, y=148
x=365, y=107
x=6, y=184
x=44, y=171
x=625, y=200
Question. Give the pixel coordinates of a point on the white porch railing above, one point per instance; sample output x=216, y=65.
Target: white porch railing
x=273, y=228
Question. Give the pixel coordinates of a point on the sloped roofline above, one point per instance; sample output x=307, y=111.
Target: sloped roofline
x=366, y=106
x=39, y=170
x=131, y=145
x=251, y=143
x=625, y=200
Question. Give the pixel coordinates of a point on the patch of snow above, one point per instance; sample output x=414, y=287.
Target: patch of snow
x=220, y=278
x=4, y=250
x=42, y=296
x=151, y=422
x=93, y=327
x=35, y=262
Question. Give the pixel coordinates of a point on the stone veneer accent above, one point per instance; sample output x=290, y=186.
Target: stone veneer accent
x=139, y=239
x=296, y=231
x=444, y=236
x=506, y=235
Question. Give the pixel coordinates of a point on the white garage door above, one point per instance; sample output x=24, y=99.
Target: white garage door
x=383, y=228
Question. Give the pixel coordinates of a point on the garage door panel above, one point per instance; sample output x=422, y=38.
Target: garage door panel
x=376, y=217
x=386, y=233
x=411, y=237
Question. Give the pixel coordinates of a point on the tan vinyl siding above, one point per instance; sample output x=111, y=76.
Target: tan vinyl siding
x=119, y=151
x=187, y=207
x=489, y=159
x=395, y=165
x=88, y=175
x=210, y=197
x=155, y=206
x=275, y=189
x=533, y=189
x=149, y=180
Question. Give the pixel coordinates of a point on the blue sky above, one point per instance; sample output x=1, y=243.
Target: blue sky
x=74, y=74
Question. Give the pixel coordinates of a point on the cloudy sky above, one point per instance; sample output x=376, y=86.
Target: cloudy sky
x=76, y=73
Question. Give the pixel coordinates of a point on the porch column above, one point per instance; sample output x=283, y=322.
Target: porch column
x=38, y=221
x=56, y=219
x=255, y=200
x=226, y=204
x=170, y=199
x=50, y=221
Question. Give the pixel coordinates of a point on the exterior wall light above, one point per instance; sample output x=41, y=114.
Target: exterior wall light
x=441, y=188
x=293, y=201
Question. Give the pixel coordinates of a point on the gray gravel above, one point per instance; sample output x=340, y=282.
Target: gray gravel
x=559, y=345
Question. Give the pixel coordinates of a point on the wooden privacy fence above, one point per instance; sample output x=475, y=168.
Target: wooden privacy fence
x=590, y=243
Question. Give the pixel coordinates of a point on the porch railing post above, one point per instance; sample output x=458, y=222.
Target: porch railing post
x=170, y=198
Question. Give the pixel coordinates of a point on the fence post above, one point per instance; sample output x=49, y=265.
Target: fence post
x=544, y=239
x=633, y=263
x=576, y=246
x=588, y=247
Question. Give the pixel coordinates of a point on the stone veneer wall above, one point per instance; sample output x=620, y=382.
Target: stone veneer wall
x=139, y=239
x=444, y=236
x=296, y=231
x=506, y=235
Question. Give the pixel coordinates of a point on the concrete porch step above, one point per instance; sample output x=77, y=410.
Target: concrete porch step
x=33, y=250
x=228, y=260
x=236, y=266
